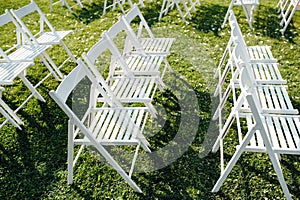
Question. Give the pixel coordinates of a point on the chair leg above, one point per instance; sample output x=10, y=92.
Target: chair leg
x=9, y=114
x=233, y=160
x=104, y=7
x=163, y=9
x=180, y=12
x=227, y=15
x=31, y=88
x=68, y=51
x=134, y=160
x=276, y=164
x=70, y=151
x=52, y=67
x=116, y=166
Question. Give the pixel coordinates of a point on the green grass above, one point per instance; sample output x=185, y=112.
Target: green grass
x=33, y=161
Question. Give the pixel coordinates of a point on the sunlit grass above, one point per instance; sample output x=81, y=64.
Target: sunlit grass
x=33, y=161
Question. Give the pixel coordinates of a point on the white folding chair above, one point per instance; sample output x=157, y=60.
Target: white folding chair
x=273, y=98
x=248, y=6
x=120, y=4
x=263, y=65
x=19, y=56
x=65, y=3
x=188, y=5
x=26, y=49
x=133, y=64
x=274, y=134
x=145, y=43
x=122, y=89
x=287, y=9
x=150, y=43
x=100, y=126
x=46, y=35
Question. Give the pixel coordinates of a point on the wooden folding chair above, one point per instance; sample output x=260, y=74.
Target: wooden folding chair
x=65, y=3
x=108, y=125
x=8, y=72
x=19, y=56
x=120, y=4
x=274, y=134
x=188, y=5
x=46, y=35
x=132, y=64
x=287, y=9
x=122, y=89
x=263, y=65
x=143, y=40
x=273, y=98
x=150, y=43
x=26, y=49
x=248, y=6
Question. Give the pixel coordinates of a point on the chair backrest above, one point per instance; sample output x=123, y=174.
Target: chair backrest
x=239, y=44
x=90, y=59
x=105, y=43
x=7, y=18
x=249, y=96
x=247, y=84
x=235, y=26
x=67, y=86
x=116, y=55
x=30, y=9
x=134, y=13
x=131, y=39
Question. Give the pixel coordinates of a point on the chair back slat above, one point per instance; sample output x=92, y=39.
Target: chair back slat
x=135, y=12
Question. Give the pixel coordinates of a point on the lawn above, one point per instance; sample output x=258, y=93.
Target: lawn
x=33, y=161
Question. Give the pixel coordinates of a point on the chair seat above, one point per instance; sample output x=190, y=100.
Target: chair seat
x=267, y=73
x=261, y=53
x=283, y=131
x=113, y=126
x=246, y=2
x=9, y=71
x=143, y=65
x=157, y=45
x=131, y=89
x=28, y=52
x=274, y=99
x=52, y=38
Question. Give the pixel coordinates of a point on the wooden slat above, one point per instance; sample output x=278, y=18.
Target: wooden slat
x=285, y=128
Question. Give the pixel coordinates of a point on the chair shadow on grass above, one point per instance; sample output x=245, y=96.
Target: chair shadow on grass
x=28, y=168
x=209, y=18
x=94, y=11
x=270, y=25
x=89, y=12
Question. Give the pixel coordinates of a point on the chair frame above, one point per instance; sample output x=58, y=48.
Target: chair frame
x=137, y=43
x=132, y=64
x=122, y=89
x=287, y=9
x=263, y=127
x=43, y=37
x=248, y=6
x=65, y=3
x=188, y=6
x=91, y=137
